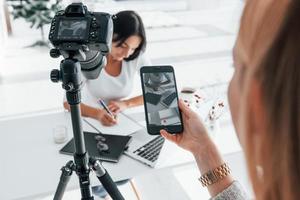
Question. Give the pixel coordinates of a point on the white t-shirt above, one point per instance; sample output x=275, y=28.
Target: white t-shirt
x=109, y=87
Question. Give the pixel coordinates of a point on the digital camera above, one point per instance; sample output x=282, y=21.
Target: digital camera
x=83, y=35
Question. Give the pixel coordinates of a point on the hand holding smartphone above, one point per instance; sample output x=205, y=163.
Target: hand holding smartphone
x=161, y=99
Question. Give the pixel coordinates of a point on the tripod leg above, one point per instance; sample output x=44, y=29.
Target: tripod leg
x=64, y=179
x=106, y=180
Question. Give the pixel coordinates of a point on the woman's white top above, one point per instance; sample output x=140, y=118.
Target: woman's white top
x=109, y=87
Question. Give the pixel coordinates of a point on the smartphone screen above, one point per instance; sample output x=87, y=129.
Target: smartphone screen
x=161, y=99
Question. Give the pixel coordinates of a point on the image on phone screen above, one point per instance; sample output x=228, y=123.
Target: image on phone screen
x=161, y=99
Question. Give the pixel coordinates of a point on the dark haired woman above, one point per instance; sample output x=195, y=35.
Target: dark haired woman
x=115, y=81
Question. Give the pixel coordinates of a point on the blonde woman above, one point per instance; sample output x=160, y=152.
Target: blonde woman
x=264, y=98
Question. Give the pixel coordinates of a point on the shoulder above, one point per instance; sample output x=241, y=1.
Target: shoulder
x=138, y=62
x=143, y=60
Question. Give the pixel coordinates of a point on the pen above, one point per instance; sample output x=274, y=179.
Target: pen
x=106, y=108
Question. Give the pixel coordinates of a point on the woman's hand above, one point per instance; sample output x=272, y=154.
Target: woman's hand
x=117, y=106
x=106, y=119
x=194, y=138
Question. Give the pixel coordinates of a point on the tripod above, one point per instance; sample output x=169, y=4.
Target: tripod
x=69, y=74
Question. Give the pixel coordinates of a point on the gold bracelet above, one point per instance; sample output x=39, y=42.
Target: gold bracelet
x=213, y=176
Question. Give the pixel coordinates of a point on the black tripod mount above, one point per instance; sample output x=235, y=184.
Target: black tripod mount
x=69, y=75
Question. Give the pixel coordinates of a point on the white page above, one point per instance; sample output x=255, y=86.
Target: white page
x=124, y=126
x=137, y=114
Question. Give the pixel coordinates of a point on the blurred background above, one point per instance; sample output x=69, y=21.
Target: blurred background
x=196, y=37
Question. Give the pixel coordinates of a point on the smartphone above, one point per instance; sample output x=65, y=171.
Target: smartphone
x=161, y=99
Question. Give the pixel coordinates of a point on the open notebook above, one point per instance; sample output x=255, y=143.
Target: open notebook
x=124, y=126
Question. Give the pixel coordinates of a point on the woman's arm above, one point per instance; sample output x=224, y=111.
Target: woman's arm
x=135, y=101
x=209, y=159
x=96, y=113
x=117, y=106
x=196, y=140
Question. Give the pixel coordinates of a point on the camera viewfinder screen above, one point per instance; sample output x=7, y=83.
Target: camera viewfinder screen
x=161, y=99
x=74, y=29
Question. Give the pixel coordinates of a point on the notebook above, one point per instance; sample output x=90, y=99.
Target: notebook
x=116, y=146
x=126, y=125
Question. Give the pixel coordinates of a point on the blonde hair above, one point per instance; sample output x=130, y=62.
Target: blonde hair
x=279, y=74
x=270, y=44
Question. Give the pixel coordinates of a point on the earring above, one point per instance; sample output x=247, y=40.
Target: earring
x=259, y=172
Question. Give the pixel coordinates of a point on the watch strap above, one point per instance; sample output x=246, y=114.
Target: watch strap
x=215, y=175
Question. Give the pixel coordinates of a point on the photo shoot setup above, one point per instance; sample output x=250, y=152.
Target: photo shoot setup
x=83, y=38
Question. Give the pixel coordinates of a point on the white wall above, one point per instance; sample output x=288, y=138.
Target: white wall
x=208, y=4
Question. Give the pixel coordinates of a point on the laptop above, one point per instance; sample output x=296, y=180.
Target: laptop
x=150, y=150
x=144, y=147
x=154, y=151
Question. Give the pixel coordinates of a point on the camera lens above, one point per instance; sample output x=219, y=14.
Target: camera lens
x=92, y=66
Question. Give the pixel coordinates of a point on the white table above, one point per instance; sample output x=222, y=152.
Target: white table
x=31, y=162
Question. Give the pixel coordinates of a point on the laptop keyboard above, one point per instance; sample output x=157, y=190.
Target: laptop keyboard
x=151, y=150
x=169, y=99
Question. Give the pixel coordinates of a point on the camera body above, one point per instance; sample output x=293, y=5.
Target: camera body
x=84, y=36
x=76, y=28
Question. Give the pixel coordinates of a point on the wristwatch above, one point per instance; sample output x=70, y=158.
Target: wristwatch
x=213, y=176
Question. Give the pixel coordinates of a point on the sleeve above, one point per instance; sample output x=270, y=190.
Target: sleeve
x=87, y=97
x=234, y=192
